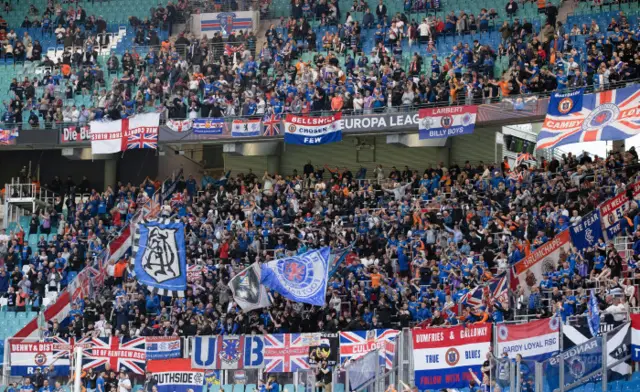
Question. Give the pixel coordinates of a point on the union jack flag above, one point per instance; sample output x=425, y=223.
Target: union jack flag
x=142, y=140
x=607, y=115
x=355, y=344
x=177, y=200
x=288, y=352
x=271, y=125
x=493, y=290
x=130, y=355
x=230, y=50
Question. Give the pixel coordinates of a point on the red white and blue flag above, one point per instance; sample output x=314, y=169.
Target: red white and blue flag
x=495, y=289
x=143, y=140
x=271, y=125
x=536, y=340
x=607, y=115
x=130, y=355
x=286, y=352
x=355, y=344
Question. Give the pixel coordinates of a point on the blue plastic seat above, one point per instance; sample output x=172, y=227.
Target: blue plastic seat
x=214, y=388
x=238, y=388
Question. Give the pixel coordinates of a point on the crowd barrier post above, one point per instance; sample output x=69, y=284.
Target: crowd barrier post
x=605, y=357
x=538, y=378
x=77, y=371
x=512, y=379
x=6, y=363
x=561, y=375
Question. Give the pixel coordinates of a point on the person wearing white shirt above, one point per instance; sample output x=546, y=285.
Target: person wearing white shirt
x=124, y=384
x=358, y=103
x=424, y=31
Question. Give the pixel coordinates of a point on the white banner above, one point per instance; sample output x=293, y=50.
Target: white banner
x=108, y=137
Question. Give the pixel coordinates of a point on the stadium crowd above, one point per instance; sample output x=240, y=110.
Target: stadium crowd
x=297, y=71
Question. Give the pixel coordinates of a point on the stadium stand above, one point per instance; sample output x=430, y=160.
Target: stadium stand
x=424, y=237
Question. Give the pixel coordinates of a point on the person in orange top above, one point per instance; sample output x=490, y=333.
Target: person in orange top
x=337, y=102
x=375, y=278
x=66, y=70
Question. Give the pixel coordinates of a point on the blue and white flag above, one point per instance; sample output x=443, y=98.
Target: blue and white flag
x=176, y=375
x=594, y=314
x=159, y=256
x=312, y=131
x=301, y=278
x=209, y=126
x=246, y=128
x=163, y=347
x=586, y=233
x=562, y=104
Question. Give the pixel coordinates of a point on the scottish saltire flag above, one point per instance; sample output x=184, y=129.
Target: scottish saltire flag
x=312, y=131
x=594, y=314
x=271, y=125
x=129, y=354
x=209, y=126
x=301, y=278
x=495, y=289
x=142, y=140
x=355, y=344
x=163, y=347
x=158, y=256
x=435, y=123
x=286, y=352
x=607, y=115
x=562, y=104
x=246, y=128
x=586, y=233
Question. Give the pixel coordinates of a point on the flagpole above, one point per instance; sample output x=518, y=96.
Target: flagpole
x=77, y=385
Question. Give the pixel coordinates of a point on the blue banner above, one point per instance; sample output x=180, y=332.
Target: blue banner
x=301, y=278
x=436, y=123
x=579, y=361
x=208, y=126
x=586, y=233
x=159, y=257
x=562, y=104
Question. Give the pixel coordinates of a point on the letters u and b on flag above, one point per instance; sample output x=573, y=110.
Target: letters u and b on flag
x=228, y=352
x=140, y=131
x=159, y=257
x=246, y=128
x=435, y=123
x=606, y=115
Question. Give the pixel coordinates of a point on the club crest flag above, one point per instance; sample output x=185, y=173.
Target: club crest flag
x=246, y=128
x=312, y=131
x=163, y=347
x=435, y=123
x=563, y=104
x=179, y=125
x=139, y=131
x=606, y=115
x=301, y=278
x=445, y=357
x=159, y=256
x=209, y=126
x=586, y=233
x=27, y=356
x=536, y=340
x=612, y=211
x=529, y=271
x=176, y=375
x=635, y=337
x=247, y=291
x=355, y=344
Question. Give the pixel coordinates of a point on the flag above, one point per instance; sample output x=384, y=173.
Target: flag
x=607, y=115
x=271, y=125
x=247, y=291
x=495, y=289
x=8, y=136
x=611, y=213
x=355, y=344
x=563, y=104
x=143, y=140
x=25, y=357
x=159, y=256
x=286, y=352
x=209, y=126
x=163, y=347
x=535, y=340
x=246, y=128
x=119, y=246
x=301, y=278
x=435, y=123
x=177, y=200
x=179, y=125
x=114, y=136
x=230, y=50
x=635, y=337
x=312, y=131
x=586, y=233
x=130, y=355
x=58, y=311
x=523, y=157
x=176, y=375
x=594, y=314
